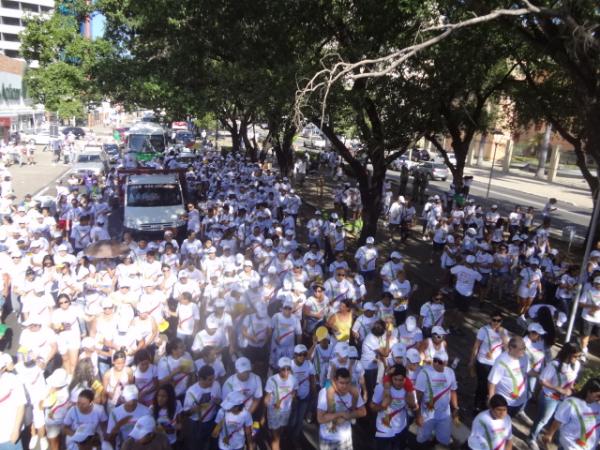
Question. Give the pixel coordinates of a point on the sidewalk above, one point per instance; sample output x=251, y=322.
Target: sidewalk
x=574, y=191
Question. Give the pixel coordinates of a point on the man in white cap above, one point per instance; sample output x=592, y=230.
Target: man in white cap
x=436, y=394
x=254, y=334
x=56, y=405
x=590, y=314
x=280, y=393
x=98, y=231
x=246, y=382
x=304, y=372
x=395, y=214
x=211, y=335
x=144, y=436
x=337, y=407
x=39, y=339
x=122, y=419
x=366, y=259
x=464, y=286
x=12, y=405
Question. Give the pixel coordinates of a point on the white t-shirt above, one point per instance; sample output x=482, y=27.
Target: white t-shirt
x=119, y=413
x=167, y=423
x=207, y=397
x=591, y=297
x=564, y=377
x=486, y=428
x=12, y=395
x=187, y=316
x=281, y=390
x=510, y=379
x=465, y=279
x=302, y=374
x=569, y=413
x=370, y=346
x=285, y=330
x=491, y=344
x=432, y=313
x=436, y=387
x=75, y=417
x=394, y=414
x=233, y=429
x=251, y=388
x=341, y=403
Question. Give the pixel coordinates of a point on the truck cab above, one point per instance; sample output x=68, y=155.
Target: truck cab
x=153, y=203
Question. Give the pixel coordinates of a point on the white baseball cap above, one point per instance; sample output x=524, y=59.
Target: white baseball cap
x=370, y=240
x=398, y=350
x=395, y=254
x=410, y=323
x=536, y=328
x=450, y=239
x=143, y=427
x=243, y=365
x=439, y=331
x=442, y=355
x=369, y=306
x=470, y=259
x=234, y=398
x=341, y=349
x=534, y=261
x=413, y=356
x=596, y=280
x=212, y=322
x=284, y=361
x=130, y=392
x=300, y=348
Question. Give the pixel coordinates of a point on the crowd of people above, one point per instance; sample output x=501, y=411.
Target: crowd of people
x=261, y=322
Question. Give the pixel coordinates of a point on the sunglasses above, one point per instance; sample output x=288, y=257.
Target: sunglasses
x=496, y=319
x=340, y=274
x=438, y=361
x=286, y=369
x=437, y=336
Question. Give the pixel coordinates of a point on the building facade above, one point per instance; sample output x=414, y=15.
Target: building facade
x=12, y=22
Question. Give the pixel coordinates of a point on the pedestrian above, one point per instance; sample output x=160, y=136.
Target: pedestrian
x=492, y=428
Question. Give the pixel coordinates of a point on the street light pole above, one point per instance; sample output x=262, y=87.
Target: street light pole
x=583, y=271
x=487, y=193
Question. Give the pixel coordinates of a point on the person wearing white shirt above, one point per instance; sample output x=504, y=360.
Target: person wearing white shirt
x=12, y=405
x=489, y=344
x=557, y=381
x=245, y=382
x=464, y=287
x=366, y=259
x=590, y=313
x=577, y=419
x=337, y=406
x=122, y=419
x=304, y=372
x=492, y=428
x=201, y=402
x=84, y=412
x=436, y=394
x=390, y=268
x=509, y=378
x=431, y=314
x=234, y=424
x=280, y=392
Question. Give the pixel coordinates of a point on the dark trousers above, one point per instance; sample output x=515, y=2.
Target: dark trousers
x=197, y=435
x=482, y=370
x=397, y=442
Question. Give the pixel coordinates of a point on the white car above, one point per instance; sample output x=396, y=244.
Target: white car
x=37, y=137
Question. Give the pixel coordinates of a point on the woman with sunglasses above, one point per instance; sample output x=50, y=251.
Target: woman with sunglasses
x=65, y=321
x=576, y=419
x=432, y=314
x=490, y=342
x=435, y=344
x=557, y=381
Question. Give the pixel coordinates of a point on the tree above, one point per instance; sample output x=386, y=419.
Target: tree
x=61, y=80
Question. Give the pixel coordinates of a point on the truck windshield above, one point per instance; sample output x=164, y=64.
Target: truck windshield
x=153, y=195
x=85, y=158
x=146, y=142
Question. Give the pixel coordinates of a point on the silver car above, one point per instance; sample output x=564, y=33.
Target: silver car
x=434, y=171
x=89, y=161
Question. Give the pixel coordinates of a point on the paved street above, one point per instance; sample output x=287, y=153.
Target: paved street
x=38, y=178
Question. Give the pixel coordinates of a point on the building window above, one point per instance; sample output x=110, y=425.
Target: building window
x=10, y=37
x=11, y=21
x=12, y=53
x=46, y=9
x=30, y=8
x=10, y=4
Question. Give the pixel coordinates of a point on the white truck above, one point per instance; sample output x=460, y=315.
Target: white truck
x=153, y=202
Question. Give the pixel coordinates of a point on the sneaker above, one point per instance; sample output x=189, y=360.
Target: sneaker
x=44, y=444
x=533, y=445
x=33, y=442
x=525, y=418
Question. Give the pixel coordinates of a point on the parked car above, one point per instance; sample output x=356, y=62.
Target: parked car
x=77, y=131
x=403, y=161
x=434, y=171
x=89, y=161
x=36, y=137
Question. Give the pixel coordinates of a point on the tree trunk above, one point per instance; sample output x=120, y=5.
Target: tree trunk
x=251, y=150
x=543, y=153
x=371, y=187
